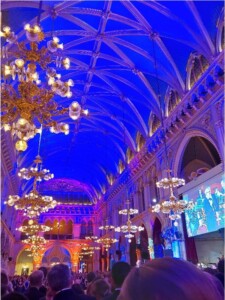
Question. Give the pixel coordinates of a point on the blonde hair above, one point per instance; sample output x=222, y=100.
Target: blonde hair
x=169, y=279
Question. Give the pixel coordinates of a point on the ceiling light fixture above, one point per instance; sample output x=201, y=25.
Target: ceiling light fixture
x=33, y=204
x=26, y=102
x=33, y=228
x=129, y=229
x=173, y=206
x=106, y=240
x=92, y=237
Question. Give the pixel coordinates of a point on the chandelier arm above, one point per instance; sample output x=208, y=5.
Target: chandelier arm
x=39, y=14
x=39, y=142
x=35, y=184
x=26, y=101
x=171, y=191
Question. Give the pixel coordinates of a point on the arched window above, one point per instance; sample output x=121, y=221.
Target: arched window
x=56, y=229
x=199, y=154
x=47, y=234
x=121, y=166
x=144, y=244
x=83, y=230
x=197, y=64
x=90, y=228
x=157, y=239
x=154, y=124
x=172, y=99
x=62, y=228
x=141, y=196
x=69, y=229
x=110, y=179
x=220, y=33
x=129, y=155
x=140, y=140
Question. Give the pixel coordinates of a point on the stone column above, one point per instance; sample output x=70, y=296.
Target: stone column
x=151, y=248
x=75, y=262
x=107, y=261
x=76, y=231
x=96, y=260
x=147, y=195
x=218, y=125
x=135, y=197
x=138, y=252
x=102, y=264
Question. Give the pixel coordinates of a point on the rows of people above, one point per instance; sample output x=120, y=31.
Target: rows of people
x=159, y=279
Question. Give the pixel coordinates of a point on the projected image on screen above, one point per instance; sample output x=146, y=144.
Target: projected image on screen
x=208, y=212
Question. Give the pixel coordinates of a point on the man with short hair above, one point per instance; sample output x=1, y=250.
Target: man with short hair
x=43, y=288
x=60, y=281
x=36, y=280
x=91, y=276
x=120, y=271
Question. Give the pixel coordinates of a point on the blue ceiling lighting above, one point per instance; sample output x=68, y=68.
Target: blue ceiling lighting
x=111, y=47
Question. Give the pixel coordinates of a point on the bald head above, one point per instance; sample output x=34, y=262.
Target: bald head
x=36, y=278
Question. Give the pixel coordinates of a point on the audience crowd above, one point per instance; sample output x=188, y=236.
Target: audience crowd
x=158, y=279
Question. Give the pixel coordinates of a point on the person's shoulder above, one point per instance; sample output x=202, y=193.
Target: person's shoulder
x=86, y=297
x=109, y=297
x=112, y=296
x=66, y=295
x=61, y=294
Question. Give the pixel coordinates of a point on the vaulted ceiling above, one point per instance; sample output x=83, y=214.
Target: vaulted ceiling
x=118, y=49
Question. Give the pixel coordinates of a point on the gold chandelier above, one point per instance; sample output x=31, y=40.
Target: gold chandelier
x=26, y=103
x=35, y=247
x=106, y=227
x=92, y=237
x=33, y=204
x=35, y=171
x=91, y=248
x=35, y=240
x=106, y=241
x=129, y=228
x=89, y=253
x=36, y=244
x=173, y=206
x=33, y=228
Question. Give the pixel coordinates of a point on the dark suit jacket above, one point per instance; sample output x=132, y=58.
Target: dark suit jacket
x=114, y=295
x=43, y=290
x=85, y=297
x=70, y=295
x=66, y=295
x=33, y=293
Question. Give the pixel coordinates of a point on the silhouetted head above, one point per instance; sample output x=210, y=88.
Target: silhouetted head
x=169, y=278
x=59, y=277
x=120, y=271
x=36, y=278
x=44, y=270
x=90, y=277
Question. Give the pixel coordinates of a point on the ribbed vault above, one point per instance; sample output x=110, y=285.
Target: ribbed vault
x=117, y=49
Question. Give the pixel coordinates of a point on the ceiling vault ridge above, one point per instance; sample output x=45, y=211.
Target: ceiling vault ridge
x=205, y=34
x=128, y=60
